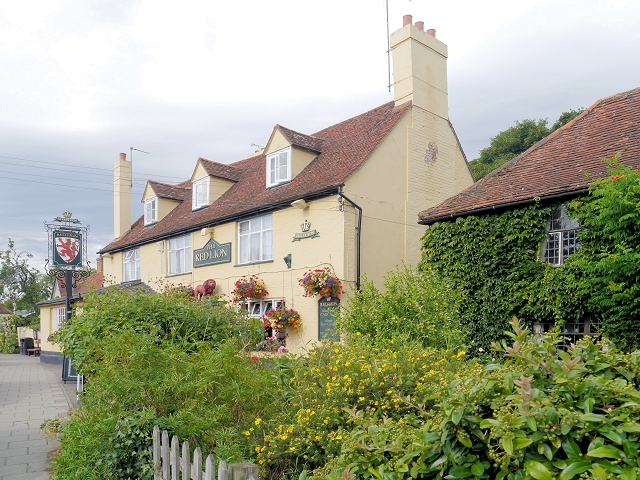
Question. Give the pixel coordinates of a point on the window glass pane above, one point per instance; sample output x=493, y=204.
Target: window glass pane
x=254, y=254
x=256, y=224
x=243, y=227
x=267, y=239
x=267, y=221
x=244, y=249
x=551, y=249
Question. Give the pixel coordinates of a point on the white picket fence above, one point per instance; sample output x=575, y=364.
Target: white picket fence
x=169, y=464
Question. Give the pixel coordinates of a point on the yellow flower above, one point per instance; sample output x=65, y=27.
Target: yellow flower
x=258, y=420
x=247, y=433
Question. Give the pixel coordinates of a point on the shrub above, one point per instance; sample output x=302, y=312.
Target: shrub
x=415, y=304
x=8, y=334
x=545, y=413
x=171, y=316
x=314, y=424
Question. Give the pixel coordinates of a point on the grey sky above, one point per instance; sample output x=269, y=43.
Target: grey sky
x=82, y=81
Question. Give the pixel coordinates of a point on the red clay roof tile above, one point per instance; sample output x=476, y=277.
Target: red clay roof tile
x=345, y=148
x=566, y=161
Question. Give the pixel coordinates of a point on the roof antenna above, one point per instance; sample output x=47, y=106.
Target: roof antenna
x=131, y=149
x=388, y=48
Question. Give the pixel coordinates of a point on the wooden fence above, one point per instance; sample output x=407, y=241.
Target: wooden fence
x=170, y=464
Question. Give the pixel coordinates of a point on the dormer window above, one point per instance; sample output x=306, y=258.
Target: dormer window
x=200, y=193
x=151, y=210
x=279, y=167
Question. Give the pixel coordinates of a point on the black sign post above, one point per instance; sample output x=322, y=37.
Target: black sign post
x=327, y=315
x=66, y=261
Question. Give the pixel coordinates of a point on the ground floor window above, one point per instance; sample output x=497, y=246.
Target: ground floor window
x=59, y=316
x=573, y=331
x=258, y=309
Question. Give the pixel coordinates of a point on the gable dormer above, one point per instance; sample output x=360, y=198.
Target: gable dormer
x=160, y=199
x=210, y=180
x=288, y=153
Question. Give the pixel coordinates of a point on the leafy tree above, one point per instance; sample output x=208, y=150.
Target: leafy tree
x=19, y=282
x=515, y=140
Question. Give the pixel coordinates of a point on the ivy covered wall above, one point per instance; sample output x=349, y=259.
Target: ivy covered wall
x=494, y=261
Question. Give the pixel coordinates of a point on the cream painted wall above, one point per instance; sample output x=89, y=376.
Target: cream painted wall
x=281, y=282
x=379, y=188
x=165, y=206
x=276, y=142
x=434, y=179
x=46, y=326
x=299, y=160
x=121, y=197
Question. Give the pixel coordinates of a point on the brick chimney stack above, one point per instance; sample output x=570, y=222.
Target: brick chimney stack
x=121, y=196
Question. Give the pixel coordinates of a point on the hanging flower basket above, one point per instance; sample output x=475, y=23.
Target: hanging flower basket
x=249, y=288
x=321, y=282
x=280, y=319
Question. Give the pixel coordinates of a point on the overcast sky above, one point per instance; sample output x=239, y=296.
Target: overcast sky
x=82, y=80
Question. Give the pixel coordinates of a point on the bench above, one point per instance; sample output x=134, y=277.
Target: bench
x=33, y=351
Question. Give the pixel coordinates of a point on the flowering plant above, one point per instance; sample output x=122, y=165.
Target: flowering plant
x=251, y=288
x=321, y=282
x=281, y=318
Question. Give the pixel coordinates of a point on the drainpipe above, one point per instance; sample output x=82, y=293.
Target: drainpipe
x=358, y=235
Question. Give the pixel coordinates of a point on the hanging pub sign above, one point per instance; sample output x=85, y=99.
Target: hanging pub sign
x=306, y=232
x=212, y=253
x=67, y=248
x=327, y=316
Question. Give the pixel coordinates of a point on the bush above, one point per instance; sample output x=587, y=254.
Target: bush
x=171, y=316
x=8, y=334
x=546, y=413
x=416, y=305
x=314, y=424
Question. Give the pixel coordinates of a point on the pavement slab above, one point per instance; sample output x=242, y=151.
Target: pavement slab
x=30, y=392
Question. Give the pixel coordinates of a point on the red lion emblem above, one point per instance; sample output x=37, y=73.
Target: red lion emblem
x=67, y=248
x=205, y=290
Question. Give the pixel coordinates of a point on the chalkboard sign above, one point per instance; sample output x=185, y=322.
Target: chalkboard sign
x=327, y=315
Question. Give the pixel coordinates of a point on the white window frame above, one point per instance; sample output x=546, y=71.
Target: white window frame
x=179, y=255
x=561, y=238
x=59, y=317
x=151, y=210
x=131, y=259
x=279, y=167
x=258, y=308
x=200, y=193
x=258, y=230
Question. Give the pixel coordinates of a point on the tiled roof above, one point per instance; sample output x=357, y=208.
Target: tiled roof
x=345, y=148
x=221, y=170
x=565, y=162
x=308, y=142
x=4, y=310
x=173, y=192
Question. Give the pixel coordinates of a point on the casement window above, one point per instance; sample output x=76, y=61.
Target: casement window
x=59, y=316
x=258, y=308
x=561, y=238
x=151, y=210
x=255, y=237
x=200, y=193
x=179, y=255
x=132, y=265
x=279, y=167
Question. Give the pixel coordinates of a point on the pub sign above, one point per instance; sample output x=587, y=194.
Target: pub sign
x=328, y=309
x=212, y=253
x=67, y=248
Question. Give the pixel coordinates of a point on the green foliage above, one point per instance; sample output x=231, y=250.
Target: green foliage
x=171, y=316
x=610, y=252
x=8, y=333
x=20, y=283
x=545, y=413
x=492, y=261
x=335, y=379
x=515, y=140
x=415, y=304
x=159, y=359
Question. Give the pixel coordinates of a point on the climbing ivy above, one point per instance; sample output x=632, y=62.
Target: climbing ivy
x=494, y=261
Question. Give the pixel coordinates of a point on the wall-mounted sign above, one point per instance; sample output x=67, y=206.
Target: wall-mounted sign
x=212, y=253
x=67, y=248
x=327, y=315
x=306, y=232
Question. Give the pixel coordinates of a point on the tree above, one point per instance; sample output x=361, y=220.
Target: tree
x=515, y=140
x=19, y=282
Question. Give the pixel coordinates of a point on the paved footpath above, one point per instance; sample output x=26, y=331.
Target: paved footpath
x=30, y=392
